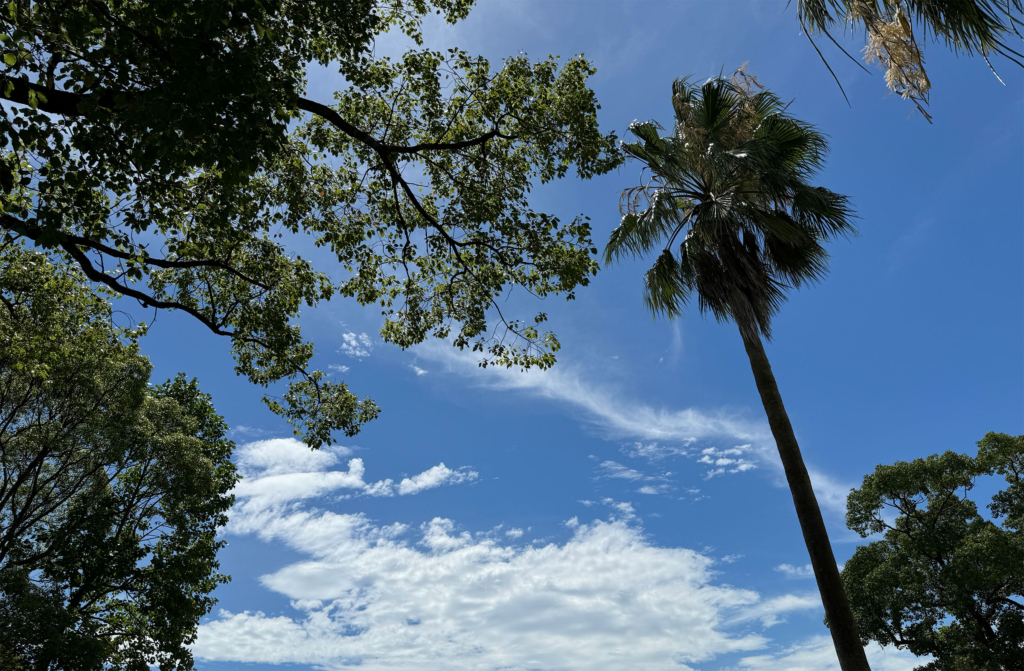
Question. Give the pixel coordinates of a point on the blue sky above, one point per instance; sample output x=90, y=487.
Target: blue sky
x=625, y=509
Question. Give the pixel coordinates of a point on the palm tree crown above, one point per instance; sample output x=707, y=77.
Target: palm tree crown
x=732, y=181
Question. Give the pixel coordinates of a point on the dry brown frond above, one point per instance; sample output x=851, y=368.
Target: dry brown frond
x=893, y=45
x=744, y=80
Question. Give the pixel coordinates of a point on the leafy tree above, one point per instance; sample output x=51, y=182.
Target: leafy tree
x=965, y=26
x=943, y=580
x=168, y=149
x=730, y=186
x=111, y=490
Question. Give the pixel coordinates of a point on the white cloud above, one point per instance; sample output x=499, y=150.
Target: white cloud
x=797, y=572
x=284, y=471
x=249, y=431
x=771, y=611
x=435, y=477
x=653, y=489
x=624, y=508
x=729, y=559
x=622, y=417
x=391, y=596
x=356, y=345
x=656, y=451
x=416, y=369
x=284, y=455
x=726, y=461
x=382, y=598
x=613, y=469
x=334, y=368
x=817, y=654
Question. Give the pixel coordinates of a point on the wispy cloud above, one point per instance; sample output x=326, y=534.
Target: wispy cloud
x=817, y=654
x=656, y=451
x=661, y=432
x=613, y=469
x=416, y=369
x=795, y=572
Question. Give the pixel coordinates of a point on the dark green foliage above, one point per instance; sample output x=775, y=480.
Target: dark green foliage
x=730, y=185
x=177, y=158
x=943, y=580
x=111, y=490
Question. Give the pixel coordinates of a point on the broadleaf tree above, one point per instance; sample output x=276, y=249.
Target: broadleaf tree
x=944, y=580
x=728, y=208
x=111, y=490
x=169, y=149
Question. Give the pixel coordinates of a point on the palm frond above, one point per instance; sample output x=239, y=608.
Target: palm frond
x=734, y=175
x=665, y=291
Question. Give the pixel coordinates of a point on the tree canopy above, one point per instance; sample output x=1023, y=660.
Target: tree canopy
x=729, y=202
x=111, y=490
x=943, y=580
x=169, y=150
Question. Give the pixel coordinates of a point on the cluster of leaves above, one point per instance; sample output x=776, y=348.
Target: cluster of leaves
x=943, y=581
x=167, y=149
x=732, y=178
x=111, y=490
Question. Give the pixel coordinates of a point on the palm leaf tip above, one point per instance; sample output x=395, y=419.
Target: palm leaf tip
x=619, y=238
x=665, y=291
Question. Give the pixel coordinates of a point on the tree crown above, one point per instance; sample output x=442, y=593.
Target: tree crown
x=169, y=151
x=943, y=580
x=731, y=181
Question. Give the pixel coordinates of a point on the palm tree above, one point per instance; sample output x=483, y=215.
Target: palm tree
x=730, y=185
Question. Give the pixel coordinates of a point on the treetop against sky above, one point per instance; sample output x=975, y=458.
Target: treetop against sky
x=623, y=508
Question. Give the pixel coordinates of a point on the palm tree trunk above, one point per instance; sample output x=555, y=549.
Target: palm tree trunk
x=837, y=609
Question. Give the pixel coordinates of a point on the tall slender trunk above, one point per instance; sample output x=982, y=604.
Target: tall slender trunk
x=837, y=609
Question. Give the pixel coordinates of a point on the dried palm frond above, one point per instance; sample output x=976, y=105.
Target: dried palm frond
x=892, y=44
x=973, y=27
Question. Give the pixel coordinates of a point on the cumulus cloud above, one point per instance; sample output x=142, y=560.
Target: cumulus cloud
x=389, y=597
x=284, y=471
x=621, y=417
x=435, y=477
x=334, y=368
x=791, y=571
x=731, y=460
x=817, y=654
x=285, y=455
x=356, y=345
x=436, y=595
